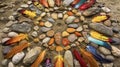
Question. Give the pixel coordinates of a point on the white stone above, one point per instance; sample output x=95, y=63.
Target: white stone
x=6, y=30
x=67, y=2
x=12, y=34
x=10, y=64
x=4, y=62
x=43, y=14
x=4, y=40
x=18, y=57
x=46, y=40
x=51, y=3
x=48, y=24
x=60, y=15
x=70, y=19
x=115, y=51
x=36, y=28
x=24, y=5
x=106, y=9
x=34, y=34
x=11, y=18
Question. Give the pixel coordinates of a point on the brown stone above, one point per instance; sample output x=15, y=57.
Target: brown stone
x=50, y=33
x=71, y=30
x=58, y=38
x=65, y=41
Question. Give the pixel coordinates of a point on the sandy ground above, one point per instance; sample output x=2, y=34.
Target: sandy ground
x=112, y=4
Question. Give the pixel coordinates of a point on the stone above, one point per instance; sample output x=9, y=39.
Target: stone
x=50, y=20
x=72, y=37
x=10, y=23
x=116, y=29
x=73, y=25
x=29, y=2
x=51, y=41
x=4, y=62
x=68, y=57
x=60, y=15
x=10, y=64
x=54, y=16
x=18, y=57
x=23, y=27
x=101, y=28
x=107, y=64
x=91, y=11
x=58, y=38
x=50, y=33
x=65, y=42
x=79, y=29
x=42, y=36
x=32, y=55
x=24, y=6
x=105, y=9
x=70, y=30
x=36, y=28
x=81, y=39
x=48, y=24
x=2, y=11
x=65, y=16
x=5, y=30
x=76, y=63
x=65, y=34
x=6, y=49
x=115, y=51
x=45, y=29
x=51, y=3
x=110, y=57
x=70, y=19
x=104, y=51
x=67, y=2
x=11, y=18
x=76, y=20
x=46, y=40
x=34, y=34
x=108, y=23
x=43, y=14
x=116, y=41
x=4, y=40
x=12, y=34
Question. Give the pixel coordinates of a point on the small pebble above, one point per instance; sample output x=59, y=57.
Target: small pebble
x=4, y=62
x=73, y=25
x=46, y=40
x=54, y=15
x=50, y=33
x=72, y=37
x=12, y=34
x=42, y=36
x=10, y=64
x=70, y=30
x=34, y=34
x=70, y=19
x=45, y=29
x=110, y=57
x=36, y=28
x=79, y=29
x=4, y=40
x=105, y=9
x=60, y=15
x=107, y=64
x=48, y=24
x=24, y=6
x=65, y=33
x=104, y=51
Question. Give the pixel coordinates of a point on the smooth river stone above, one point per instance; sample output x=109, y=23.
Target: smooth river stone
x=58, y=38
x=68, y=57
x=115, y=51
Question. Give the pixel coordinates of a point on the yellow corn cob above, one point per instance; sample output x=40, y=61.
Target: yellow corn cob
x=99, y=18
x=29, y=13
x=38, y=5
x=98, y=36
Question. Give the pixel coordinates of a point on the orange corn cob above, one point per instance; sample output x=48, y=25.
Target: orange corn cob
x=59, y=61
x=15, y=39
x=44, y=3
x=39, y=59
x=17, y=49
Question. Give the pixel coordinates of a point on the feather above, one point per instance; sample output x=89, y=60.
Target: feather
x=59, y=61
x=89, y=58
x=15, y=39
x=99, y=42
x=39, y=59
x=99, y=36
x=17, y=49
x=44, y=3
x=48, y=62
x=79, y=3
x=97, y=56
x=79, y=58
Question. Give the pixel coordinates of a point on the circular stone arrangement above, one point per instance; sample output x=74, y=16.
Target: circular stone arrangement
x=48, y=29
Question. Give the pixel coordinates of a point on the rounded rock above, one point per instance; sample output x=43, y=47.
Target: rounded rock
x=72, y=37
x=46, y=40
x=104, y=51
x=42, y=36
x=48, y=24
x=70, y=30
x=50, y=33
x=10, y=64
x=12, y=34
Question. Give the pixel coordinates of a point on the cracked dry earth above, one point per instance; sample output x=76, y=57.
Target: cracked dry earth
x=54, y=27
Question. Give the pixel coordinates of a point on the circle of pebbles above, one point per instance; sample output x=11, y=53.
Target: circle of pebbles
x=57, y=28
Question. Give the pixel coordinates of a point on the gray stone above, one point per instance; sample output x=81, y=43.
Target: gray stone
x=116, y=29
x=69, y=58
x=73, y=25
x=32, y=55
x=67, y=2
x=50, y=20
x=10, y=64
x=6, y=49
x=24, y=27
x=11, y=18
x=18, y=57
x=45, y=29
x=36, y=28
x=10, y=23
x=34, y=34
x=5, y=30
x=110, y=57
x=116, y=41
x=72, y=37
x=91, y=11
x=101, y=28
x=80, y=28
x=104, y=51
x=70, y=19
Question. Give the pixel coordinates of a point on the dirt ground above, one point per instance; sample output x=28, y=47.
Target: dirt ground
x=114, y=5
